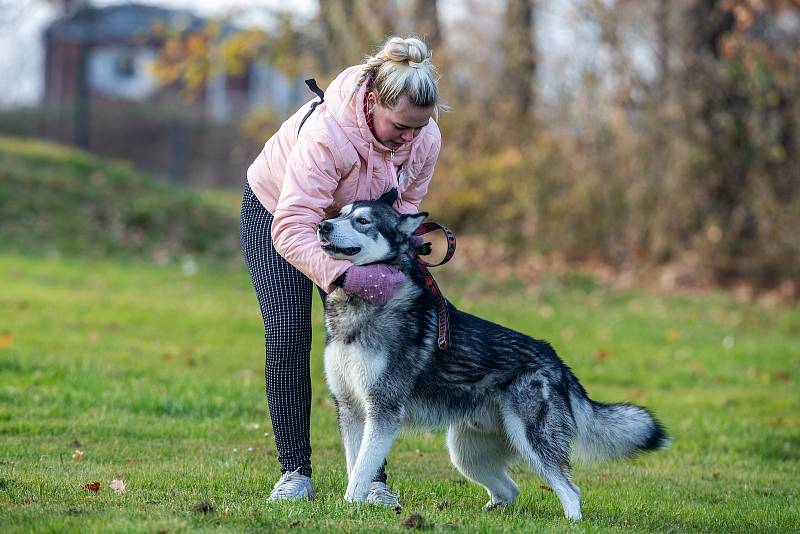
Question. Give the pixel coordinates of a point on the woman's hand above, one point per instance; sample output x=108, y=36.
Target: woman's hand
x=375, y=283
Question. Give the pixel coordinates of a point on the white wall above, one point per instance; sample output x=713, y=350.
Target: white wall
x=122, y=72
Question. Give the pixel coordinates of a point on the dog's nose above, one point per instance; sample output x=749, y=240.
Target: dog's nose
x=324, y=227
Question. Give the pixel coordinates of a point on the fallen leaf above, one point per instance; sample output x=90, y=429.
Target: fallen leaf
x=637, y=393
x=416, y=521
x=545, y=487
x=6, y=341
x=78, y=455
x=118, y=486
x=671, y=334
x=567, y=333
x=203, y=507
x=94, y=486
x=601, y=355
x=777, y=422
x=728, y=342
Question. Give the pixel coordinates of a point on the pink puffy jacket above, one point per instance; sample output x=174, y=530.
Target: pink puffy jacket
x=335, y=160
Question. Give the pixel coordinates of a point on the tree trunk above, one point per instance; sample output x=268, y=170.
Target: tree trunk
x=520, y=59
x=426, y=22
x=352, y=29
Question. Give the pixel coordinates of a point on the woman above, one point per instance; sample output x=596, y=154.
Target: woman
x=372, y=133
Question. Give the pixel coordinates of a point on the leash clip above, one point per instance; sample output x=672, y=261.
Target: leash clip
x=426, y=248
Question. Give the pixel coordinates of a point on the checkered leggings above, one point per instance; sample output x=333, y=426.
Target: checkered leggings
x=284, y=295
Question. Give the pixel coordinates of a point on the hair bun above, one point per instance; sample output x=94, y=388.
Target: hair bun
x=402, y=67
x=417, y=50
x=402, y=50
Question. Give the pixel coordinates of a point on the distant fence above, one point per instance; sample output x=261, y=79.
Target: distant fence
x=164, y=139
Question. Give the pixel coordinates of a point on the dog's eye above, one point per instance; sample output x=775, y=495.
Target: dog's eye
x=362, y=220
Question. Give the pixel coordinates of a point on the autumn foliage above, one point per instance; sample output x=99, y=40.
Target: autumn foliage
x=689, y=165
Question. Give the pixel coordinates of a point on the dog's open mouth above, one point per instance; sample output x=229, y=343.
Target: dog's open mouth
x=333, y=249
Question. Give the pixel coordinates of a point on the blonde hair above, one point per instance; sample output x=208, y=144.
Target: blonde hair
x=403, y=67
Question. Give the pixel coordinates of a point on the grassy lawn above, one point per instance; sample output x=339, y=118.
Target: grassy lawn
x=155, y=374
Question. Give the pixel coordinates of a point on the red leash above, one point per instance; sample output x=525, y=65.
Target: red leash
x=443, y=339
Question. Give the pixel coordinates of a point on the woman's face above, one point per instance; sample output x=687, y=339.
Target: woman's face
x=397, y=126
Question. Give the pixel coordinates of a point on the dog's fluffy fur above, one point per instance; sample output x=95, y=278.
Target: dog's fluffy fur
x=501, y=395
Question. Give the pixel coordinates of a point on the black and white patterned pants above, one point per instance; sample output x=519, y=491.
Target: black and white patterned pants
x=284, y=295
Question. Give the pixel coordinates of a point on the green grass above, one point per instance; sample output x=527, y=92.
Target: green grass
x=57, y=200
x=157, y=373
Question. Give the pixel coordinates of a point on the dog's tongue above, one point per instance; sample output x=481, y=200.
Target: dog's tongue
x=324, y=242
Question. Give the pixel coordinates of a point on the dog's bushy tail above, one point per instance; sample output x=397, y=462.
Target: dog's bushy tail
x=610, y=431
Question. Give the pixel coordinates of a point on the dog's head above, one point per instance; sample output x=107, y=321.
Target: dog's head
x=367, y=232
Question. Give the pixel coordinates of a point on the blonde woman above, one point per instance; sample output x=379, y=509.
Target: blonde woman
x=373, y=132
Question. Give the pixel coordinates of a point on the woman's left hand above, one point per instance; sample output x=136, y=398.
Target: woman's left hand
x=376, y=283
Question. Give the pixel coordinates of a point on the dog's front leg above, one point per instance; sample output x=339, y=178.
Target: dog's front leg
x=379, y=434
x=351, y=427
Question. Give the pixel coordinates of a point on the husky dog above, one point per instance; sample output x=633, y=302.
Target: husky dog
x=501, y=394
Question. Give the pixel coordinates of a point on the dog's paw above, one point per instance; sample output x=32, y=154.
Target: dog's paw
x=354, y=494
x=492, y=504
x=574, y=516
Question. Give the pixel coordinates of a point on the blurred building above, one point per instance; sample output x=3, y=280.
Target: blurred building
x=102, y=93
x=108, y=53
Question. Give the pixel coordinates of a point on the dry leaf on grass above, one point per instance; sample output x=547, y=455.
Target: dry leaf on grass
x=78, y=455
x=94, y=486
x=601, y=355
x=415, y=521
x=203, y=507
x=118, y=486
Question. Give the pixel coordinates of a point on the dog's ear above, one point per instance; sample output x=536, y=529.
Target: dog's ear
x=409, y=223
x=389, y=197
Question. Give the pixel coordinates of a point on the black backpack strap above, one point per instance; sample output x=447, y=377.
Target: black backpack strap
x=312, y=85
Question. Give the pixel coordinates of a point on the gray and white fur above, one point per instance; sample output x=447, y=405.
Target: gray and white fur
x=500, y=394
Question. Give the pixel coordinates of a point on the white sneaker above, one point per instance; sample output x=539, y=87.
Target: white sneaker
x=293, y=486
x=379, y=493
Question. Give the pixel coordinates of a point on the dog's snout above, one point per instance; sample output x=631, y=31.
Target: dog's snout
x=324, y=227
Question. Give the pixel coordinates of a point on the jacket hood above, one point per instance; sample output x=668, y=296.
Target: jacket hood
x=349, y=114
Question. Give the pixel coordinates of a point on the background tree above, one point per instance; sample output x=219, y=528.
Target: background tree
x=426, y=23
x=350, y=29
x=520, y=61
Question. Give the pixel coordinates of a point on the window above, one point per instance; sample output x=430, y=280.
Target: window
x=125, y=65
